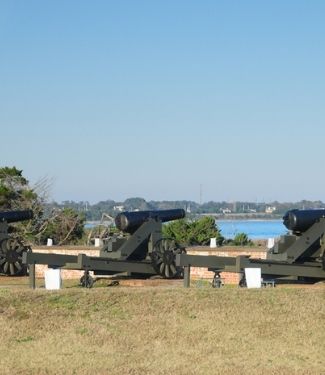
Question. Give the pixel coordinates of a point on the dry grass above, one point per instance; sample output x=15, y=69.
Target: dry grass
x=162, y=331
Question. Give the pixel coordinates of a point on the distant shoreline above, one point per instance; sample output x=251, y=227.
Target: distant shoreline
x=253, y=216
x=247, y=219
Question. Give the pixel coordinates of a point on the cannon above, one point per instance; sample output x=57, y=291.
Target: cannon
x=141, y=250
x=300, y=220
x=305, y=244
x=129, y=222
x=15, y=216
x=12, y=248
x=299, y=255
x=145, y=240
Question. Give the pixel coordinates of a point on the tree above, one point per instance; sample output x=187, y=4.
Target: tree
x=64, y=226
x=204, y=229
x=16, y=194
x=196, y=232
x=136, y=204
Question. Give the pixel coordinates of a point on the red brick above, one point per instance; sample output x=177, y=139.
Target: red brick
x=227, y=251
x=196, y=272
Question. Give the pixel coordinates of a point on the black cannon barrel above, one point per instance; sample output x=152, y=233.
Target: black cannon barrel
x=129, y=222
x=14, y=216
x=301, y=220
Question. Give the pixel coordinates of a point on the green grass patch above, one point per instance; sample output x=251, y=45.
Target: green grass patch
x=24, y=339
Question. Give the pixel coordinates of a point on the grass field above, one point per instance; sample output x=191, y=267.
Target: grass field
x=163, y=330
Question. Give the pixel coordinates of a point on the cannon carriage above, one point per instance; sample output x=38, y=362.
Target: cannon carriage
x=298, y=255
x=142, y=250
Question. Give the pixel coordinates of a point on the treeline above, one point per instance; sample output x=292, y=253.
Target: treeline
x=94, y=212
x=64, y=222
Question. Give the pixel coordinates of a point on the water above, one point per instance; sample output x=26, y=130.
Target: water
x=255, y=229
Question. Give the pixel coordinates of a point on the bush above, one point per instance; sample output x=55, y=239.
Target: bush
x=189, y=233
x=241, y=239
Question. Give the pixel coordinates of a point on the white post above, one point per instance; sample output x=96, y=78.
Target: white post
x=213, y=242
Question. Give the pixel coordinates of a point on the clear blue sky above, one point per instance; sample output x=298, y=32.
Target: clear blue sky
x=116, y=99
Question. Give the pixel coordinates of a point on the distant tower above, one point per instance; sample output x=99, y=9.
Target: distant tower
x=201, y=193
x=234, y=206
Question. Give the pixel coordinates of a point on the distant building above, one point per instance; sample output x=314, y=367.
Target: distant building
x=270, y=209
x=118, y=208
x=225, y=210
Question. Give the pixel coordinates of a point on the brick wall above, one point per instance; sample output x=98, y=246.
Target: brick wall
x=226, y=251
x=196, y=272
x=68, y=250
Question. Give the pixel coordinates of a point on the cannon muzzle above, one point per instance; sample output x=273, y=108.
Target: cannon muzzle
x=129, y=222
x=15, y=216
x=300, y=220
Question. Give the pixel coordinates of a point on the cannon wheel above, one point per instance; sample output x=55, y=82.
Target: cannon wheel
x=86, y=281
x=322, y=256
x=217, y=281
x=242, y=281
x=163, y=258
x=11, y=253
